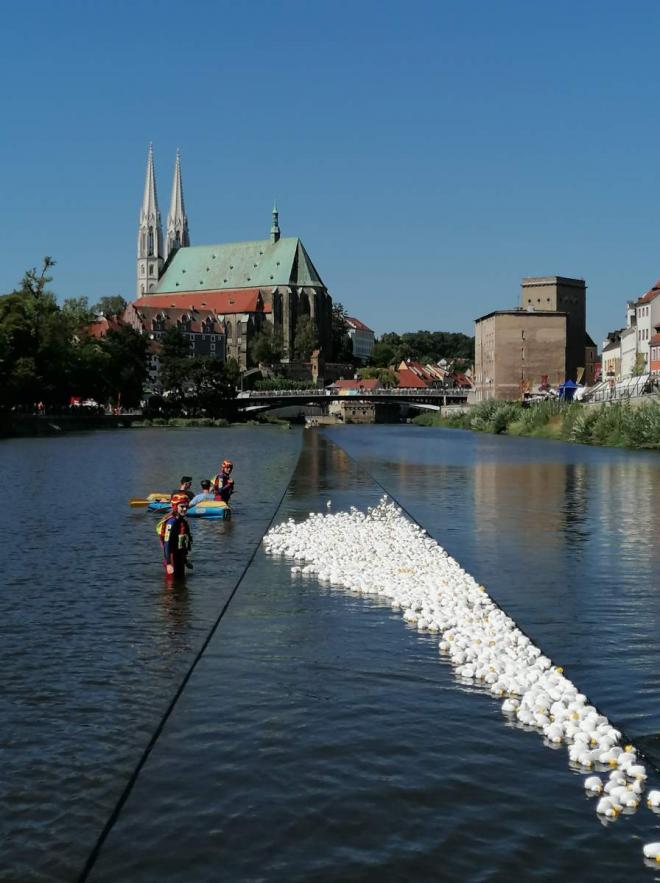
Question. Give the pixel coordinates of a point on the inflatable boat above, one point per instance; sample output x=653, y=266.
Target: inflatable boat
x=206, y=509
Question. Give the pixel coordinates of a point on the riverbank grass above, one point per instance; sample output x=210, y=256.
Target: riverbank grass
x=613, y=425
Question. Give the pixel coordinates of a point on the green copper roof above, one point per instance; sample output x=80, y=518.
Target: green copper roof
x=239, y=265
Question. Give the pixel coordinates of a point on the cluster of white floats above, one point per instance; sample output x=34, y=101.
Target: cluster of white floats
x=382, y=553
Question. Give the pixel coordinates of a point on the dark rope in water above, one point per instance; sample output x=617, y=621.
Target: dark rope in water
x=114, y=815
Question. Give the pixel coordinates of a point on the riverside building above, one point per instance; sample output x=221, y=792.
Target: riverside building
x=541, y=342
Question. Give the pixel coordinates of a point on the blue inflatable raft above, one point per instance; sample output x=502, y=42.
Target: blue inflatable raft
x=207, y=509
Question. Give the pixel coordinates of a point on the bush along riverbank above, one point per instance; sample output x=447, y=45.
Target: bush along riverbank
x=614, y=425
x=212, y=422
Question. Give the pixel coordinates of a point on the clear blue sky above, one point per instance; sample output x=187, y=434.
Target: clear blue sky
x=429, y=154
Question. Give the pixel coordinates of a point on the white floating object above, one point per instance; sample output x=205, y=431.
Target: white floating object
x=593, y=784
x=653, y=799
x=381, y=554
x=652, y=850
x=608, y=807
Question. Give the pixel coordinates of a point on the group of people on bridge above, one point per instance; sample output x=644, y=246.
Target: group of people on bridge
x=174, y=531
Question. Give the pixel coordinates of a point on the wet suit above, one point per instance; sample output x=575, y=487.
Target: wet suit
x=223, y=486
x=176, y=540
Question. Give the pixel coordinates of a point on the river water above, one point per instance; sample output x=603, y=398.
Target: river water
x=319, y=737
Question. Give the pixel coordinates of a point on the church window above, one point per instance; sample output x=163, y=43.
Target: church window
x=150, y=242
x=230, y=331
x=151, y=269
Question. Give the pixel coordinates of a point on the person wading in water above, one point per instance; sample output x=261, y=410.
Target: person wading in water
x=175, y=537
x=222, y=483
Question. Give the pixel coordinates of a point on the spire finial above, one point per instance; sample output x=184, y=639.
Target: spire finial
x=150, y=233
x=177, y=220
x=275, y=226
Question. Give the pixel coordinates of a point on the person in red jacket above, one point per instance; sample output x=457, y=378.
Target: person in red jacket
x=222, y=483
x=175, y=537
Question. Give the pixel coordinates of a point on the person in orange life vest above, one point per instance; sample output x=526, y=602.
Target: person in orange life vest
x=222, y=483
x=175, y=537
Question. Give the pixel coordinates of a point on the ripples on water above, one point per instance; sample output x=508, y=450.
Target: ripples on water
x=320, y=738
x=92, y=645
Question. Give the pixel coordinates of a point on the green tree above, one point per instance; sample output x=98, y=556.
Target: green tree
x=267, y=347
x=77, y=313
x=175, y=361
x=208, y=388
x=342, y=347
x=126, y=349
x=111, y=305
x=306, y=338
x=640, y=365
x=387, y=378
x=233, y=371
x=383, y=354
x=30, y=345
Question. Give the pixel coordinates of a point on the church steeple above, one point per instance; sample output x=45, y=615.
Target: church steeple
x=275, y=226
x=177, y=220
x=150, y=234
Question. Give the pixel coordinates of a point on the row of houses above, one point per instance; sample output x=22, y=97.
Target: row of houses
x=220, y=324
x=635, y=348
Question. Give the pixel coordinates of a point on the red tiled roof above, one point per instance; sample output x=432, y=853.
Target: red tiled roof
x=370, y=384
x=100, y=327
x=242, y=300
x=655, y=339
x=355, y=323
x=196, y=318
x=410, y=380
x=650, y=294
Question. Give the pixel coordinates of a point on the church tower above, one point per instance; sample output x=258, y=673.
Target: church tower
x=177, y=220
x=150, y=235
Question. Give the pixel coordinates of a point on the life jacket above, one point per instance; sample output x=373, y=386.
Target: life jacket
x=163, y=530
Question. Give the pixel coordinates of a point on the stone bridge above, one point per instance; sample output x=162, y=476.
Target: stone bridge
x=425, y=399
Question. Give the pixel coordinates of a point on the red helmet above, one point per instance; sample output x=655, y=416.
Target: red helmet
x=227, y=464
x=177, y=499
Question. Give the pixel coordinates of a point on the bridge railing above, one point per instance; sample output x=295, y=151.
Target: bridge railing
x=358, y=393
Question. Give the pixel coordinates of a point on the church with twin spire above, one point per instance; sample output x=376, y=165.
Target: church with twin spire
x=235, y=286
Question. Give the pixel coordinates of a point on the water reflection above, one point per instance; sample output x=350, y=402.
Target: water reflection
x=340, y=722
x=176, y=608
